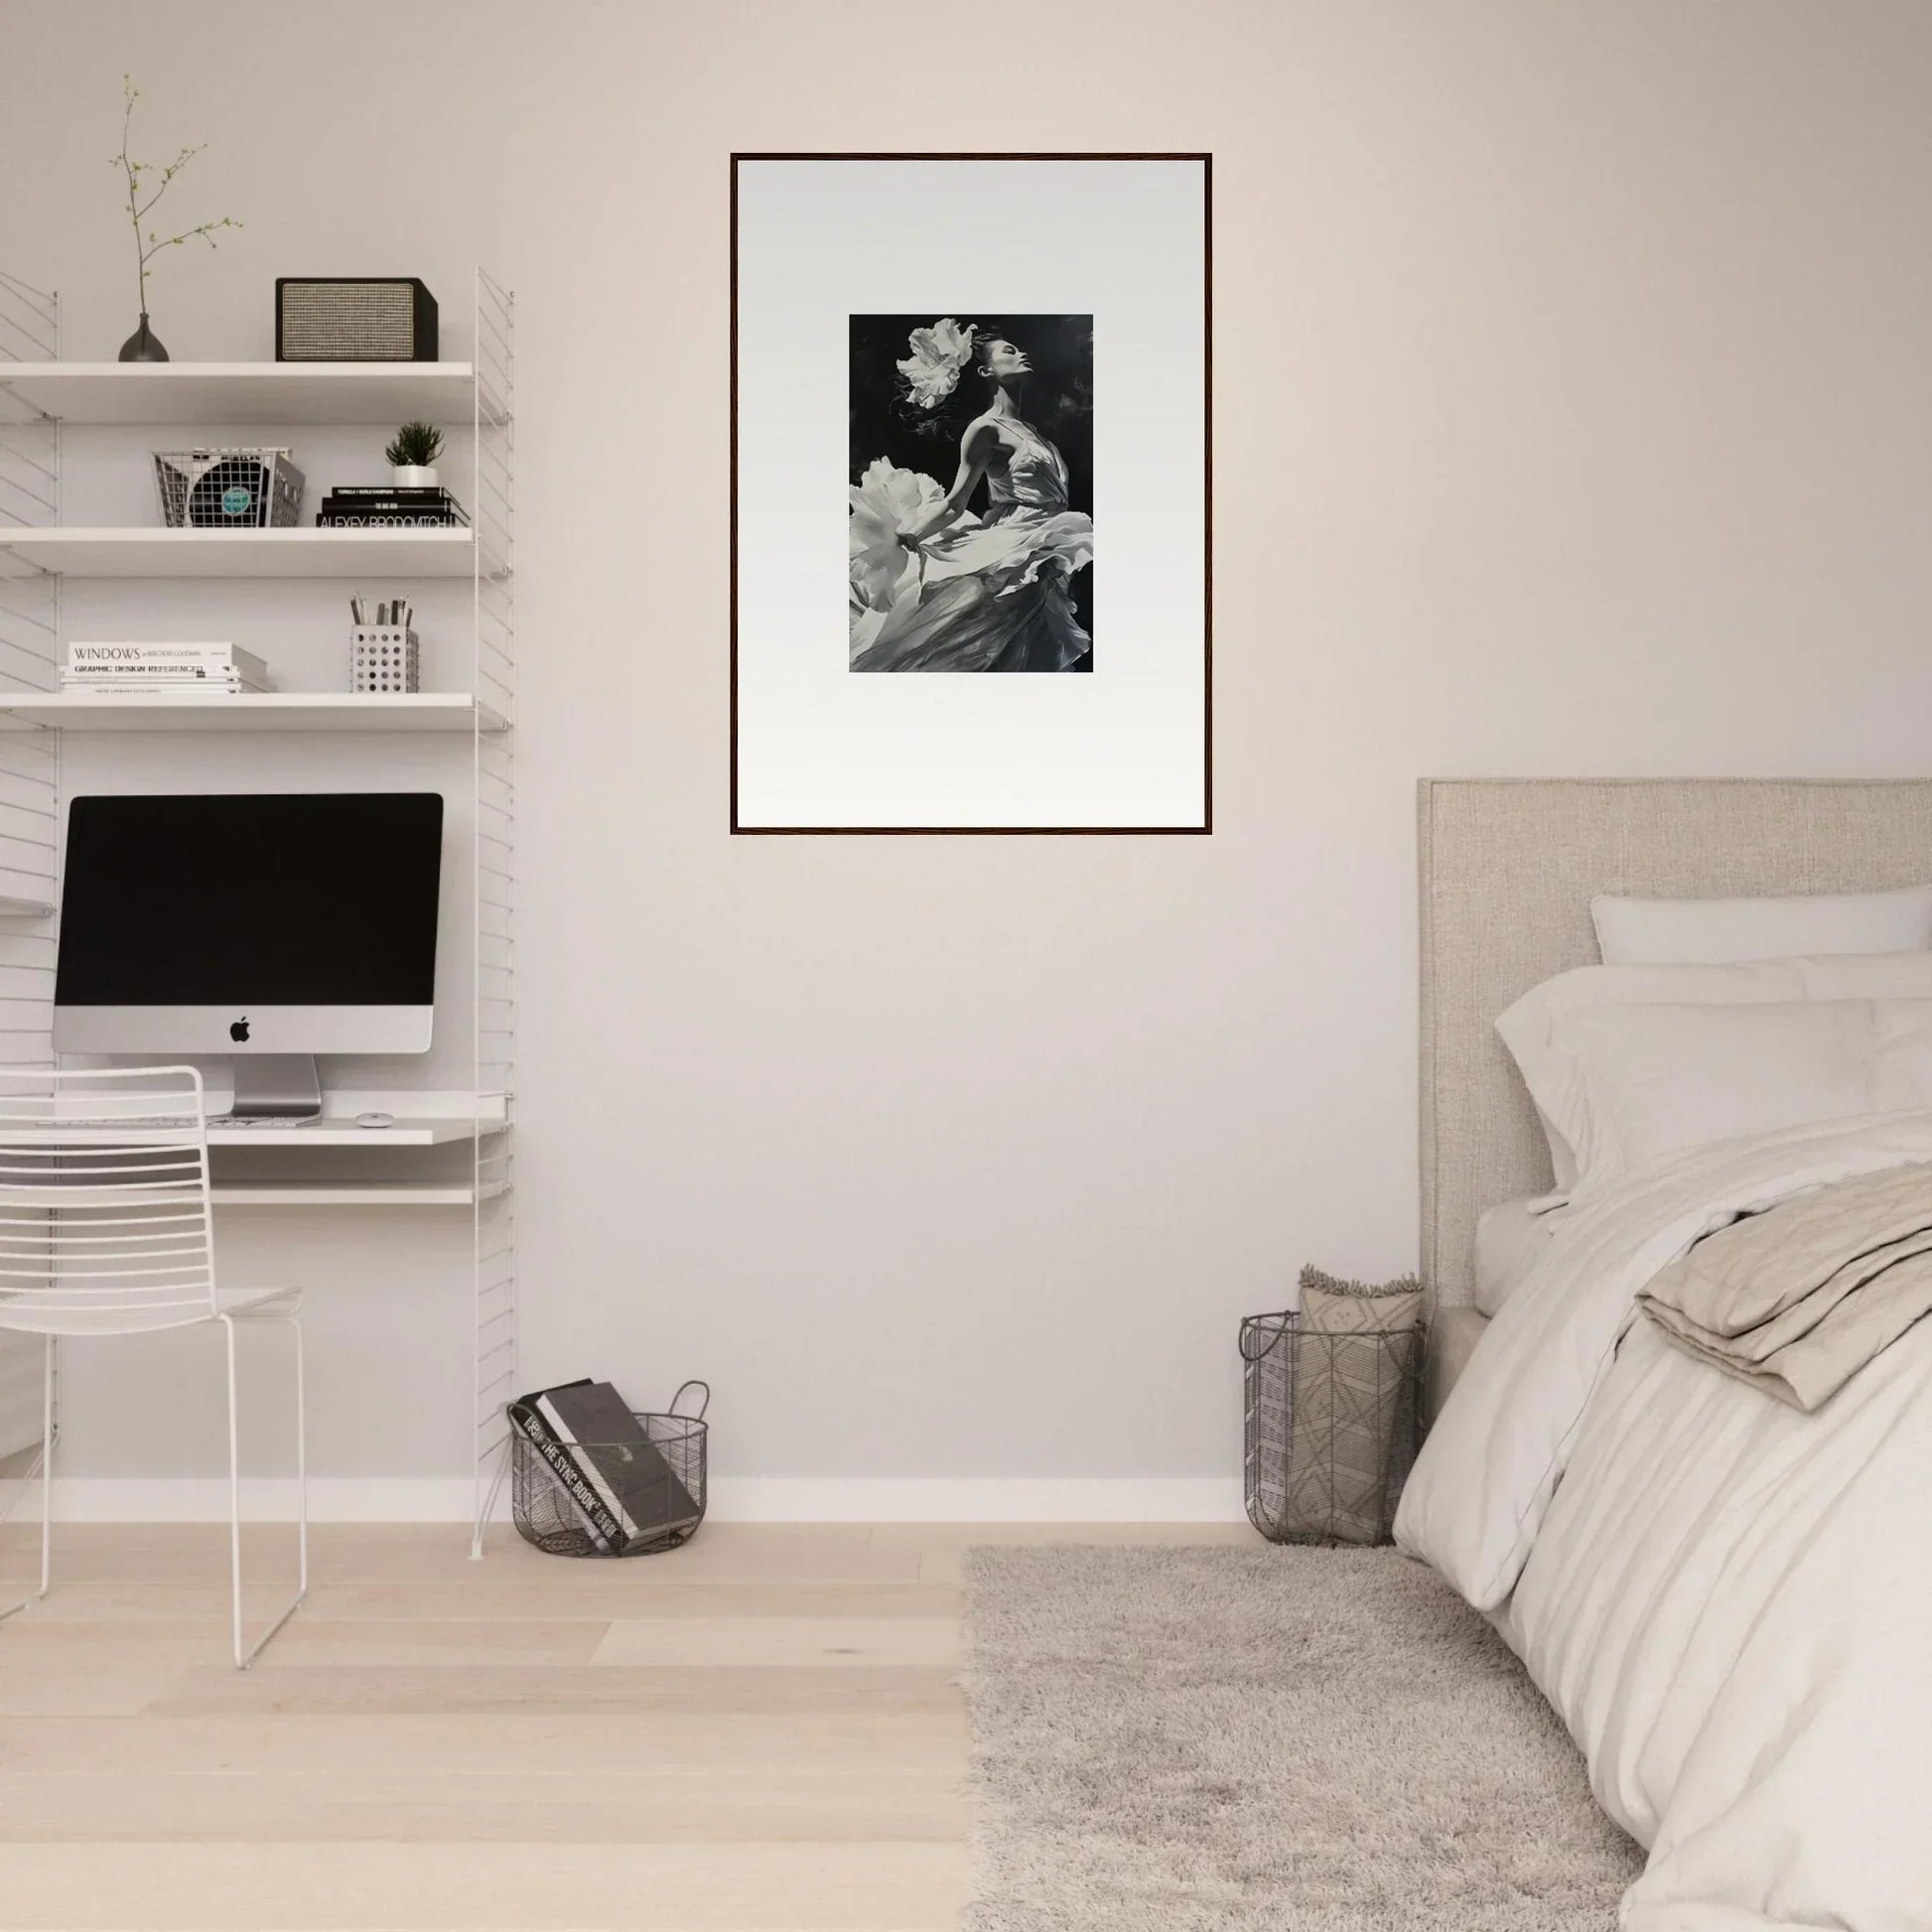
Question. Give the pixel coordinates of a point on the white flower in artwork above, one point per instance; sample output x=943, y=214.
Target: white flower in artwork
x=885, y=501
x=938, y=355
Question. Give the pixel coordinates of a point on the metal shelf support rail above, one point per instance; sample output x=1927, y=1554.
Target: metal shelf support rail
x=492, y=509
x=29, y=786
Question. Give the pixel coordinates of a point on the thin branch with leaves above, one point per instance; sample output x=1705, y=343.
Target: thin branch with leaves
x=148, y=246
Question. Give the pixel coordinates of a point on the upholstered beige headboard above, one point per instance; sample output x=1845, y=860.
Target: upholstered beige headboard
x=1509, y=867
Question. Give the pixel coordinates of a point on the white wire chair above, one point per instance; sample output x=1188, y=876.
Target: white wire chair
x=106, y=1228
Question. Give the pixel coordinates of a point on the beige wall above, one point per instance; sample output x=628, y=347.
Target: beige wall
x=1574, y=416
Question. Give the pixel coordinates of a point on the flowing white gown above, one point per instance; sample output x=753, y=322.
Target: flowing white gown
x=983, y=595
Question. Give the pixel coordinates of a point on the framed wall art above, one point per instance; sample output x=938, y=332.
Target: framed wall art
x=1009, y=355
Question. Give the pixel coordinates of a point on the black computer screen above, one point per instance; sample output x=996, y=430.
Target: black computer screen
x=286, y=898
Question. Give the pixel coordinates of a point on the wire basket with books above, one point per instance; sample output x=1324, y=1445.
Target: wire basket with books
x=590, y=1476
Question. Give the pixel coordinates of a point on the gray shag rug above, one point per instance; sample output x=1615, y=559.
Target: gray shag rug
x=1226, y=1739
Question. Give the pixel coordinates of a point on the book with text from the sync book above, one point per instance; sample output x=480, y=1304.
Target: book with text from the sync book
x=598, y=1522
x=636, y=1497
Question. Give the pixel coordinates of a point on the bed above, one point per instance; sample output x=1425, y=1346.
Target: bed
x=1722, y=1597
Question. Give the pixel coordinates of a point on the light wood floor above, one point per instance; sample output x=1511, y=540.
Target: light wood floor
x=760, y=1732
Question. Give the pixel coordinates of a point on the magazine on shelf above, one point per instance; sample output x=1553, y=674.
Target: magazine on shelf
x=151, y=673
x=193, y=687
x=165, y=680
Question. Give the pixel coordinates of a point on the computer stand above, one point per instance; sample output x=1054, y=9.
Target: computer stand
x=276, y=1083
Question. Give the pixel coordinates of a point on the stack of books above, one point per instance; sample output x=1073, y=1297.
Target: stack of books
x=624, y=1490
x=205, y=670
x=384, y=506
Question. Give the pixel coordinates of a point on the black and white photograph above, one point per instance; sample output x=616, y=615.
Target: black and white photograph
x=1021, y=401
x=971, y=473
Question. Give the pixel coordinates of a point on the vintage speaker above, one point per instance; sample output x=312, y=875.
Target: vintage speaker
x=353, y=318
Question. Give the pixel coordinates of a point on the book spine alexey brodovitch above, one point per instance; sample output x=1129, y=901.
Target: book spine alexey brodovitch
x=374, y=519
x=387, y=506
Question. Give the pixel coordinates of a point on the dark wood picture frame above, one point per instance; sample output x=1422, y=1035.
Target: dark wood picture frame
x=1207, y=825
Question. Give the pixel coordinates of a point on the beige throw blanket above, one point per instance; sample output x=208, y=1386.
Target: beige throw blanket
x=1799, y=1298
x=1353, y=1393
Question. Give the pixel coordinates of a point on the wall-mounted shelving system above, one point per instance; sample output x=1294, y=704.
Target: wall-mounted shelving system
x=40, y=396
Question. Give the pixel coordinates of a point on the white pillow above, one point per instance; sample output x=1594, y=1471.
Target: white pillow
x=1534, y=1029
x=1511, y=1238
x=1641, y=1082
x=1705, y=931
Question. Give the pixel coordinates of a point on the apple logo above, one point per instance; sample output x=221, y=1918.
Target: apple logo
x=239, y=1031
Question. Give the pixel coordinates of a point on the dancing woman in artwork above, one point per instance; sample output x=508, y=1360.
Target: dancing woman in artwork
x=935, y=587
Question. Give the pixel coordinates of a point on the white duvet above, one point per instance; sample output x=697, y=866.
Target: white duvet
x=1728, y=1602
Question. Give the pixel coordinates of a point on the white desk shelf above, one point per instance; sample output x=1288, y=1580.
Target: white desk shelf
x=375, y=393
x=331, y=1132
x=78, y=551
x=265, y=711
x=346, y=1132
x=45, y=568
x=345, y=1193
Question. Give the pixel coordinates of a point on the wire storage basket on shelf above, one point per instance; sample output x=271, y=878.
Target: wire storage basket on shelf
x=228, y=490
x=1331, y=1427
x=563, y=1499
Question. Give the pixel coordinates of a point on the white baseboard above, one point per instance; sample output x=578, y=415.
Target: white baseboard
x=945, y=1499
x=198, y=1499
x=733, y=1499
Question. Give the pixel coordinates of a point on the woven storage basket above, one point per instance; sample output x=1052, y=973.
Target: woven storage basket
x=1330, y=1429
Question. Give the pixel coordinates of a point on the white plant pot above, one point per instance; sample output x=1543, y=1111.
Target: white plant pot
x=413, y=475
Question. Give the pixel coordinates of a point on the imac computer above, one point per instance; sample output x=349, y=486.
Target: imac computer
x=268, y=926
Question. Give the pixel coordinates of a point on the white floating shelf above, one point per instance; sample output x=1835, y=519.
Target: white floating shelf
x=345, y=1193
x=332, y=1130
x=262, y=711
x=385, y=393
x=80, y=552
x=345, y=1133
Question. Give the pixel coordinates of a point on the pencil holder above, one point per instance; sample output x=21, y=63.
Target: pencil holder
x=383, y=658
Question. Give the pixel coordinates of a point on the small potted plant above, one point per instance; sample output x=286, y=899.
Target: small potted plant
x=412, y=455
